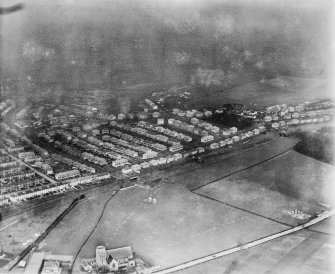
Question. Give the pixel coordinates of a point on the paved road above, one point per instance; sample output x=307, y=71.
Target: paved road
x=294, y=255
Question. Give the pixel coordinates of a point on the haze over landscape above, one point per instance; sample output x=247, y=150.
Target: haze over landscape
x=67, y=45
x=167, y=136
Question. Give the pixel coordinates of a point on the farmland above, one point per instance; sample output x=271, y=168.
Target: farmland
x=180, y=227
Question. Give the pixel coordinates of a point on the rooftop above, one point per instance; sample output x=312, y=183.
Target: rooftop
x=121, y=253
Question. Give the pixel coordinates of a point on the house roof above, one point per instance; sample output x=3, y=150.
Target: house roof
x=120, y=253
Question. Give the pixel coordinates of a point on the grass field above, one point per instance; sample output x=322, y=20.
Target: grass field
x=67, y=237
x=205, y=174
x=180, y=227
x=288, y=90
x=297, y=176
x=249, y=195
x=326, y=226
x=303, y=252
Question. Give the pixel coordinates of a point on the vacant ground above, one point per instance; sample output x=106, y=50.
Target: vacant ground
x=67, y=237
x=303, y=252
x=297, y=176
x=259, y=199
x=326, y=226
x=205, y=174
x=180, y=227
x=273, y=188
x=288, y=90
x=16, y=236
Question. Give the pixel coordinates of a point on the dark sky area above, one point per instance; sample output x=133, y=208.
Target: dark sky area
x=91, y=44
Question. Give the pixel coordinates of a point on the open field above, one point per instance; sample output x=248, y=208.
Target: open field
x=297, y=176
x=326, y=226
x=288, y=90
x=180, y=227
x=303, y=252
x=67, y=237
x=208, y=173
x=249, y=195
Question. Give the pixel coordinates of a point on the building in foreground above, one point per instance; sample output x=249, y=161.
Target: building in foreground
x=41, y=262
x=118, y=260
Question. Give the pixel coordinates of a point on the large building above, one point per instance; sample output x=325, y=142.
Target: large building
x=114, y=259
x=43, y=263
x=101, y=257
x=67, y=174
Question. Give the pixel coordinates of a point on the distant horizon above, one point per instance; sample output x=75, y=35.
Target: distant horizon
x=73, y=45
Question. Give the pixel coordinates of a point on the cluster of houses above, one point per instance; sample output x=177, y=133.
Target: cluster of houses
x=145, y=141
x=156, y=138
x=6, y=106
x=15, y=135
x=94, y=159
x=192, y=113
x=31, y=158
x=74, y=164
x=67, y=174
x=176, y=136
x=15, y=177
x=41, y=190
x=91, y=112
x=19, y=183
x=209, y=133
x=149, y=143
x=152, y=163
x=280, y=116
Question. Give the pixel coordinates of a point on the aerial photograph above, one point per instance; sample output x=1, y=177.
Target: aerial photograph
x=167, y=136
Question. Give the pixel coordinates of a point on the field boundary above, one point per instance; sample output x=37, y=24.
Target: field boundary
x=221, y=152
x=242, y=209
x=245, y=168
x=93, y=230
x=45, y=204
x=241, y=247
